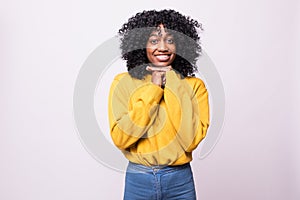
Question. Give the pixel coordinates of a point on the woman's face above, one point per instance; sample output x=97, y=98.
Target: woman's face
x=161, y=48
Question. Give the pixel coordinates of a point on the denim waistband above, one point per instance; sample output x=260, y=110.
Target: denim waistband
x=138, y=168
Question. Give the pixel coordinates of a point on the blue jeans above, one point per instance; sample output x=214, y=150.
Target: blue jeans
x=159, y=183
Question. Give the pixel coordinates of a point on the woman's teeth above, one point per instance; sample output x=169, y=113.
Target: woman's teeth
x=162, y=57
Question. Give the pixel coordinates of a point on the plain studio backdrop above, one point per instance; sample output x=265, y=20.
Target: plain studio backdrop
x=254, y=45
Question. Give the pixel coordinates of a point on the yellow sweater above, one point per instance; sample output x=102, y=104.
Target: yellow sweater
x=155, y=126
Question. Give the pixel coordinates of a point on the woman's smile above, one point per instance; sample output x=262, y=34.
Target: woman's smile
x=163, y=57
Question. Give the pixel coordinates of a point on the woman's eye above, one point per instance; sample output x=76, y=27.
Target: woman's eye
x=170, y=41
x=153, y=41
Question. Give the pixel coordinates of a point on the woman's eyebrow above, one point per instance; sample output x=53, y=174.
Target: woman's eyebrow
x=169, y=34
x=153, y=34
x=157, y=35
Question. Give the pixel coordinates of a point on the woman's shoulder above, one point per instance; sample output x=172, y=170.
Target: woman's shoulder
x=195, y=81
x=122, y=75
x=126, y=80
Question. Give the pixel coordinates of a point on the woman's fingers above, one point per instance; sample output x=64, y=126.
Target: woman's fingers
x=160, y=69
x=159, y=74
x=157, y=77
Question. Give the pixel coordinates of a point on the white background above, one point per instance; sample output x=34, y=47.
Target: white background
x=254, y=44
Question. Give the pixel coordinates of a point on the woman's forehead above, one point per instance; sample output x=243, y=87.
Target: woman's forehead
x=160, y=31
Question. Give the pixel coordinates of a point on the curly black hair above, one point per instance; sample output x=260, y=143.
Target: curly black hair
x=135, y=33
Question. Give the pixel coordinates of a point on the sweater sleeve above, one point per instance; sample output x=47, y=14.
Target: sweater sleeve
x=131, y=111
x=188, y=109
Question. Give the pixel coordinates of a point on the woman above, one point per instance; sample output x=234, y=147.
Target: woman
x=158, y=110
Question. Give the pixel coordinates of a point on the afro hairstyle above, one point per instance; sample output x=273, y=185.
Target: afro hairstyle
x=135, y=33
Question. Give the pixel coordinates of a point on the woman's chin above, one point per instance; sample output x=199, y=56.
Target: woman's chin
x=161, y=64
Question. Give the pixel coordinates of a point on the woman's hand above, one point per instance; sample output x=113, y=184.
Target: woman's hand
x=159, y=74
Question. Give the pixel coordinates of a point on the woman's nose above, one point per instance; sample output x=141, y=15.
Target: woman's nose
x=162, y=46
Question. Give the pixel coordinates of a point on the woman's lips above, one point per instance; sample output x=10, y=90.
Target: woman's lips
x=163, y=58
